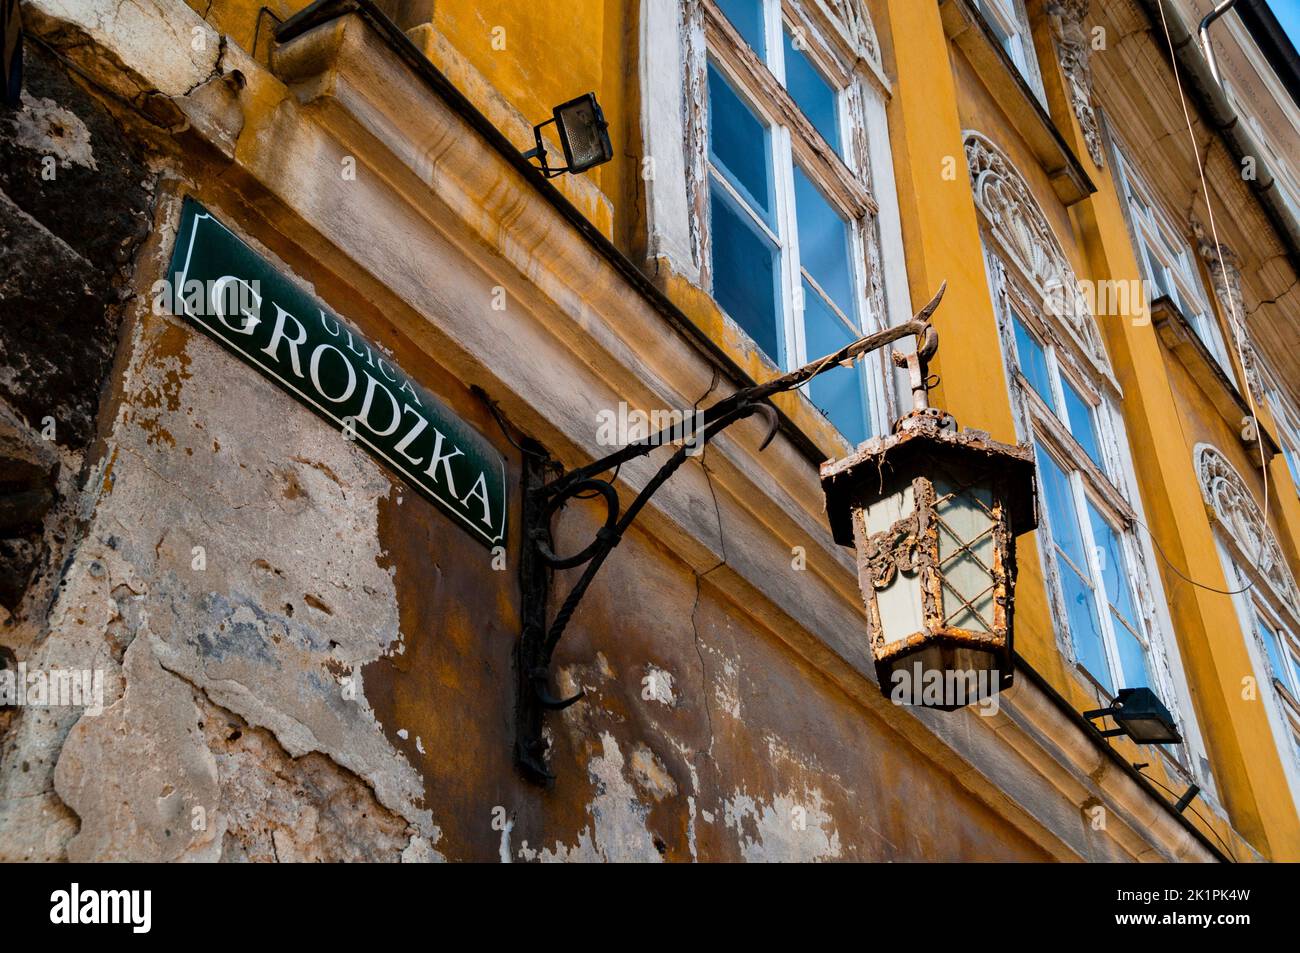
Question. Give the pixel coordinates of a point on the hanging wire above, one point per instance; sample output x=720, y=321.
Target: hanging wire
x=1238, y=332
x=1178, y=796
x=1182, y=575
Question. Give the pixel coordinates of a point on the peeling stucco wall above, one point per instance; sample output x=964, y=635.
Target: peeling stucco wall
x=303, y=660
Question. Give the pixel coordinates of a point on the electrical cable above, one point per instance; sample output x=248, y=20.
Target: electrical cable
x=1177, y=796
x=1238, y=332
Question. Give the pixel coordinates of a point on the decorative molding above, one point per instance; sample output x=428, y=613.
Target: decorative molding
x=1073, y=47
x=694, y=58
x=1024, y=235
x=1241, y=518
x=854, y=23
x=1225, y=277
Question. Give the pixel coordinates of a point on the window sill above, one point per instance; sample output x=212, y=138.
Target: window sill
x=968, y=30
x=1181, y=339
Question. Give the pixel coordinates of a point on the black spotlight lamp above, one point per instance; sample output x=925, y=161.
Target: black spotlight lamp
x=1188, y=797
x=1141, y=716
x=584, y=137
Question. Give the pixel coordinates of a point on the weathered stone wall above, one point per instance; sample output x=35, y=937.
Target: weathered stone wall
x=303, y=660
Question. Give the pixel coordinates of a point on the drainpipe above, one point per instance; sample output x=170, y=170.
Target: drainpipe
x=1206, y=48
x=1204, y=89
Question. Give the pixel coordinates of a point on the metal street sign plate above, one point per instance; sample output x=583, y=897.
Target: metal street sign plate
x=236, y=297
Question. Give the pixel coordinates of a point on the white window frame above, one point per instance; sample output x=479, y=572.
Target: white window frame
x=1288, y=434
x=1167, y=259
x=1089, y=481
x=1110, y=485
x=1009, y=18
x=1258, y=603
x=846, y=179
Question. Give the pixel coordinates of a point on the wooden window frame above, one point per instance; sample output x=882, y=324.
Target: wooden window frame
x=1256, y=602
x=844, y=178
x=1010, y=18
x=1159, y=242
x=1111, y=487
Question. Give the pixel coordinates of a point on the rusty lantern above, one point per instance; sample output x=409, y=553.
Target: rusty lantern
x=933, y=514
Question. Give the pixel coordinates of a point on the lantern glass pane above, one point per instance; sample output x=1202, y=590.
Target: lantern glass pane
x=966, y=553
x=899, y=603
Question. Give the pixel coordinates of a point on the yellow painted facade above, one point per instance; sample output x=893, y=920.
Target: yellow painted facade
x=936, y=94
x=373, y=158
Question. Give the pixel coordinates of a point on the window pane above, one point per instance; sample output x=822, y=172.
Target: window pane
x=1133, y=659
x=745, y=272
x=1081, y=421
x=1033, y=362
x=1085, y=630
x=1293, y=464
x=1207, y=329
x=809, y=89
x=747, y=17
x=1274, y=650
x=1001, y=18
x=839, y=393
x=1061, y=517
x=823, y=246
x=739, y=144
x=1114, y=571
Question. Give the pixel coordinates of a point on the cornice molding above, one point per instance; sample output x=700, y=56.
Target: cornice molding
x=1242, y=519
x=1023, y=234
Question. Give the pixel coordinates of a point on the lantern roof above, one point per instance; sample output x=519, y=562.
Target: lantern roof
x=914, y=451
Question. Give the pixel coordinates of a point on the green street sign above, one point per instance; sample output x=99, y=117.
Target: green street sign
x=236, y=297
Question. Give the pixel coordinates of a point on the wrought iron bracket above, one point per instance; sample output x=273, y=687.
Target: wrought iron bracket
x=545, y=495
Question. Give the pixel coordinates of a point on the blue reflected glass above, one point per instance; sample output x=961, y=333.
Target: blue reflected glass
x=1114, y=571
x=739, y=144
x=1033, y=362
x=823, y=245
x=747, y=17
x=839, y=393
x=1132, y=658
x=744, y=272
x=1293, y=464
x=1085, y=629
x=1081, y=421
x=1274, y=651
x=1061, y=518
x=809, y=89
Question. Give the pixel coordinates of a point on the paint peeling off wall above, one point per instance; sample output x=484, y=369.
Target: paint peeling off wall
x=232, y=550
x=779, y=829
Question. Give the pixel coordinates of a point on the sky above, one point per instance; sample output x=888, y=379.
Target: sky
x=1288, y=13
